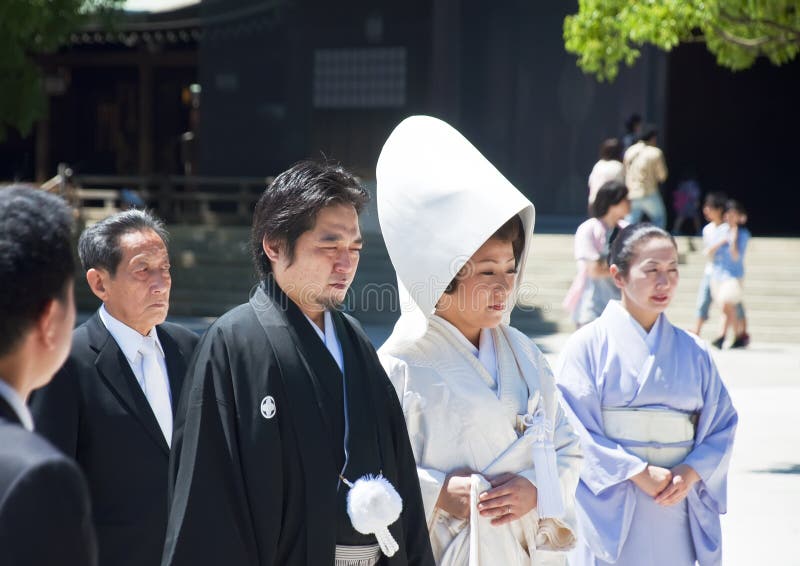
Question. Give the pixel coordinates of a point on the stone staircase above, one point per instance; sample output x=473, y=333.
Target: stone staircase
x=212, y=272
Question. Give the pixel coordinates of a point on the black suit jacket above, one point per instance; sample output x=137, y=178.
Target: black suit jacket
x=96, y=412
x=45, y=514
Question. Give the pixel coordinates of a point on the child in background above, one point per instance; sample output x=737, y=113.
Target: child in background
x=714, y=234
x=727, y=272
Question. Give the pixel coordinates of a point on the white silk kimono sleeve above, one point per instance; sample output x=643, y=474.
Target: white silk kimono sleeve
x=431, y=480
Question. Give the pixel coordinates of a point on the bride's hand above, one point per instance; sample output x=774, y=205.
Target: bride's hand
x=454, y=496
x=510, y=498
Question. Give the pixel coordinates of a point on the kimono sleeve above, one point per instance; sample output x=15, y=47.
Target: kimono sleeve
x=716, y=428
x=208, y=517
x=606, y=462
x=431, y=480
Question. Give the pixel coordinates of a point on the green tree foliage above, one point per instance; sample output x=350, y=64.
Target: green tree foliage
x=29, y=28
x=605, y=33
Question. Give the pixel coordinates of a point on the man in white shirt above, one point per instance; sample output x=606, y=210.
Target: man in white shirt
x=111, y=406
x=644, y=170
x=45, y=515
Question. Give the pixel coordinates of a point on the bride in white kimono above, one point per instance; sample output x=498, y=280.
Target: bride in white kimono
x=497, y=460
x=655, y=420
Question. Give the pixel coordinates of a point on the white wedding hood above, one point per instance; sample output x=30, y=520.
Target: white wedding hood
x=439, y=200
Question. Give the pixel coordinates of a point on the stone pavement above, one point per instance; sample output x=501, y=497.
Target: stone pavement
x=762, y=526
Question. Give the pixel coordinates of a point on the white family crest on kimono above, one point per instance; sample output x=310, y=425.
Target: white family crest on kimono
x=613, y=365
x=457, y=416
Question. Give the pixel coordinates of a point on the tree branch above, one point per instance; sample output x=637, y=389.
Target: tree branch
x=752, y=44
x=760, y=21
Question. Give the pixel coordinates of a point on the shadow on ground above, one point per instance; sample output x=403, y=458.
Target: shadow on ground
x=788, y=469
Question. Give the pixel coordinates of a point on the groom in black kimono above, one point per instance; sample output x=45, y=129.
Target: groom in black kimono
x=286, y=399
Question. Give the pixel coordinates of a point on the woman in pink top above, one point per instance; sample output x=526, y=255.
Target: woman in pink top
x=593, y=287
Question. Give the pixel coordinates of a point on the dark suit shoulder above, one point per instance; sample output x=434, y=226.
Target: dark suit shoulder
x=82, y=341
x=180, y=333
x=45, y=515
x=22, y=450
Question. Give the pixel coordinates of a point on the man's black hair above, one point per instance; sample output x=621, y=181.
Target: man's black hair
x=648, y=133
x=36, y=261
x=99, y=246
x=289, y=206
x=632, y=121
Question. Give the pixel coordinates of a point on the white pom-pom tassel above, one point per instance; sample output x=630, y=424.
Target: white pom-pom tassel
x=373, y=504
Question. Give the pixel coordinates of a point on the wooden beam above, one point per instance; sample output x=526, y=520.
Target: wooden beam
x=187, y=58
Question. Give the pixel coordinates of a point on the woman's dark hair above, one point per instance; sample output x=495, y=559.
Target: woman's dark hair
x=610, y=193
x=611, y=149
x=512, y=231
x=625, y=245
x=36, y=261
x=716, y=200
x=99, y=246
x=289, y=206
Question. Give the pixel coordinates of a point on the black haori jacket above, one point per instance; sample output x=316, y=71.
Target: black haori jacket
x=259, y=442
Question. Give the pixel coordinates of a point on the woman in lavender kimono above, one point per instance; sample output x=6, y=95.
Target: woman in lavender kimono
x=496, y=457
x=655, y=420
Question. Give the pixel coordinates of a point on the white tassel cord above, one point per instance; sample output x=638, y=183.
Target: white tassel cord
x=373, y=504
x=386, y=541
x=550, y=502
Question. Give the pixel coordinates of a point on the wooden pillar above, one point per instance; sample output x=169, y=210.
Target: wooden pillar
x=146, y=117
x=43, y=172
x=446, y=60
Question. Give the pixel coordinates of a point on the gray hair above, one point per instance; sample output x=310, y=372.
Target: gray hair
x=98, y=246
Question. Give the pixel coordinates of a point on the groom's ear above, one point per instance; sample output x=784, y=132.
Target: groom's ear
x=274, y=250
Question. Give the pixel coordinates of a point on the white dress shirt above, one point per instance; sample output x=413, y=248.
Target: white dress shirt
x=130, y=342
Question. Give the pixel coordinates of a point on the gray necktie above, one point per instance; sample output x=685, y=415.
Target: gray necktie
x=156, y=388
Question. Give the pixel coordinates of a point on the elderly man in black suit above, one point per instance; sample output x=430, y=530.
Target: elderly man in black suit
x=45, y=514
x=111, y=406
